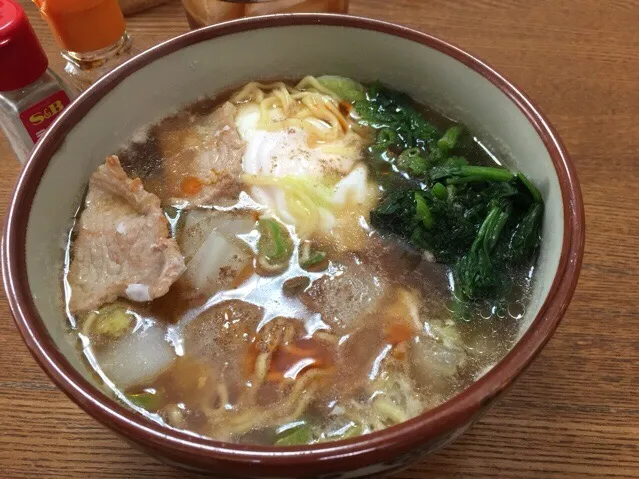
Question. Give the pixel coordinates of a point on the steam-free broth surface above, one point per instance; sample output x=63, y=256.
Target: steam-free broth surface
x=299, y=263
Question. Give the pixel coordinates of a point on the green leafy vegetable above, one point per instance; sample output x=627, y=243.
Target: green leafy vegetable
x=443, y=227
x=482, y=229
x=437, y=157
x=403, y=128
x=411, y=160
x=320, y=193
x=297, y=435
x=386, y=138
x=309, y=257
x=275, y=244
x=422, y=212
x=385, y=108
x=349, y=431
x=534, y=192
x=482, y=220
x=148, y=399
x=439, y=191
x=353, y=431
x=475, y=272
x=113, y=320
x=526, y=235
x=343, y=87
x=449, y=140
x=458, y=174
x=314, y=259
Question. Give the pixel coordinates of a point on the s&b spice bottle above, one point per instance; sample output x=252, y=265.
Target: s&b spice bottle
x=31, y=95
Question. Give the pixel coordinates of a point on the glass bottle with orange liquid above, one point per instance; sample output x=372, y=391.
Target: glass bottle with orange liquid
x=208, y=12
x=92, y=35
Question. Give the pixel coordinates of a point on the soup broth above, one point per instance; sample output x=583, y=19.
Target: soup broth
x=299, y=262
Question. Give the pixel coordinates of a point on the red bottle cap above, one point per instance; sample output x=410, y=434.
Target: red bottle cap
x=22, y=60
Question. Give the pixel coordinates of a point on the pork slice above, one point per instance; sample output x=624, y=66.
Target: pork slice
x=346, y=296
x=209, y=150
x=122, y=248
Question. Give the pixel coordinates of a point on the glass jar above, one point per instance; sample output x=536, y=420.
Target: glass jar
x=207, y=12
x=92, y=36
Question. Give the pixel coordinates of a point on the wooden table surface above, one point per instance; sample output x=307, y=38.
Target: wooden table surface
x=575, y=412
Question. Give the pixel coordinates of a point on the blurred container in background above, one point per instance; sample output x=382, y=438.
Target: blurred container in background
x=207, y=12
x=130, y=7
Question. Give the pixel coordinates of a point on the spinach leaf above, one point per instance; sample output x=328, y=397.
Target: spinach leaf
x=385, y=108
x=482, y=220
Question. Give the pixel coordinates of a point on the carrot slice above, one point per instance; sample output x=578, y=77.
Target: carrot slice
x=298, y=358
x=398, y=333
x=244, y=274
x=345, y=107
x=298, y=351
x=275, y=377
x=249, y=360
x=191, y=186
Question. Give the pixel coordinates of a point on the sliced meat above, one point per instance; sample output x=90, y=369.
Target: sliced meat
x=122, y=247
x=203, y=158
x=348, y=295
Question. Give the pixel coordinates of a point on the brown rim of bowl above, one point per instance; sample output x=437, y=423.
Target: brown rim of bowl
x=359, y=452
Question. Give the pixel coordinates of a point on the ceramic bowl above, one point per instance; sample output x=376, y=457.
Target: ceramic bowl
x=212, y=60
